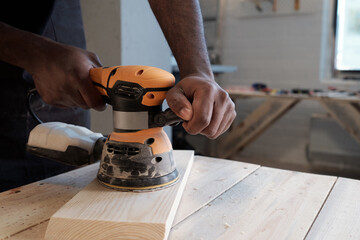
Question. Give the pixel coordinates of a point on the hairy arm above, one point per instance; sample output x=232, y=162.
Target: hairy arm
x=60, y=72
x=197, y=98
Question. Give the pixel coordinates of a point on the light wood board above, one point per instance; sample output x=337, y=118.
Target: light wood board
x=100, y=213
x=268, y=204
x=339, y=217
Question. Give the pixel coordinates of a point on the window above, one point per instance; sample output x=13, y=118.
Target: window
x=347, y=41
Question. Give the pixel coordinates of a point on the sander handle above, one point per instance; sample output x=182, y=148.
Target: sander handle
x=165, y=118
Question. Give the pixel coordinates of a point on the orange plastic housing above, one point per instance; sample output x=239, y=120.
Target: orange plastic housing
x=147, y=77
x=161, y=143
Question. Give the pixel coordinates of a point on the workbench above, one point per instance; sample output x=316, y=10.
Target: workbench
x=223, y=199
x=345, y=110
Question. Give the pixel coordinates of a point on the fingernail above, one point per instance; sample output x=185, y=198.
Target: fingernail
x=185, y=113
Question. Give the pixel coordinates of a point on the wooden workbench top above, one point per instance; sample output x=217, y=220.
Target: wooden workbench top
x=239, y=91
x=223, y=200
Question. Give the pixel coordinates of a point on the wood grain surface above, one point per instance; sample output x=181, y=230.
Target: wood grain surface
x=32, y=204
x=209, y=178
x=269, y=204
x=339, y=217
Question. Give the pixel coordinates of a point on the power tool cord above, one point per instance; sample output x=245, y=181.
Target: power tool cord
x=30, y=94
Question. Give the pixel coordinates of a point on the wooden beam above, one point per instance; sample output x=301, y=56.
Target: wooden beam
x=346, y=113
x=253, y=125
x=100, y=213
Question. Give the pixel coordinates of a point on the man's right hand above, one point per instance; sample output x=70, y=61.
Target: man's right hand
x=60, y=72
x=62, y=77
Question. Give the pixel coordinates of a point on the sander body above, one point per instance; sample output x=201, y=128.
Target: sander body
x=137, y=155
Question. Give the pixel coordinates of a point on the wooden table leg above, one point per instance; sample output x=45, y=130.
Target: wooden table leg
x=346, y=113
x=253, y=125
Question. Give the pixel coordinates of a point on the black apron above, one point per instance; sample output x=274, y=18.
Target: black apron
x=61, y=21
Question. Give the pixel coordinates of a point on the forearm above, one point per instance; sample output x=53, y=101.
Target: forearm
x=181, y=23
x=21, y=48
x=60, y=72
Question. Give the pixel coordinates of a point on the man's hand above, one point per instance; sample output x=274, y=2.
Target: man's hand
x=203, y=104
x=62, y=78
x=60, y=72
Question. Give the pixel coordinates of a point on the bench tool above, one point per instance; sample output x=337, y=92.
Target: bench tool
x=137, y=155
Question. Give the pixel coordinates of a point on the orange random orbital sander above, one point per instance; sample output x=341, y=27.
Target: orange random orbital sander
x=137, y=155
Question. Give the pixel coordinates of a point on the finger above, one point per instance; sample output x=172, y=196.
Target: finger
x=95, y=60
x=90, y=94
x=217, y=119
x=180, y=105
x=64, y=104
x=70, y=97
x=60, y=106
x=224, y=110
x=79, y=100
x=67, y=102
x=226, y=123
x=59, y=99
x=203, y=110
x=92, y=97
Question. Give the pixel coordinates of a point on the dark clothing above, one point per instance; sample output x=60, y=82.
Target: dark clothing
x=61, y=21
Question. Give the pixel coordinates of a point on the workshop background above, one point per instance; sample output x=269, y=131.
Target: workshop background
x=248, y=42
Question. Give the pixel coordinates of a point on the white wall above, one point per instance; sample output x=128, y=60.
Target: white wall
x=102, y=29
x=123, y=32
x=142, y=41
x=283, y=51
x=103, y=34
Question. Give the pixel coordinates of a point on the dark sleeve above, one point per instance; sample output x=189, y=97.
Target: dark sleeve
x=31, y=16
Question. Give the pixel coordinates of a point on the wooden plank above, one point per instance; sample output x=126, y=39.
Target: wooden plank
x=29, y=205
x=347, y=114
x=100, y=213
x=339, y=217
x=209, y=178
x=253, y=125
x=268, y=204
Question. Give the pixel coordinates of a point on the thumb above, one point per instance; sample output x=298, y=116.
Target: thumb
x=180, y=105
